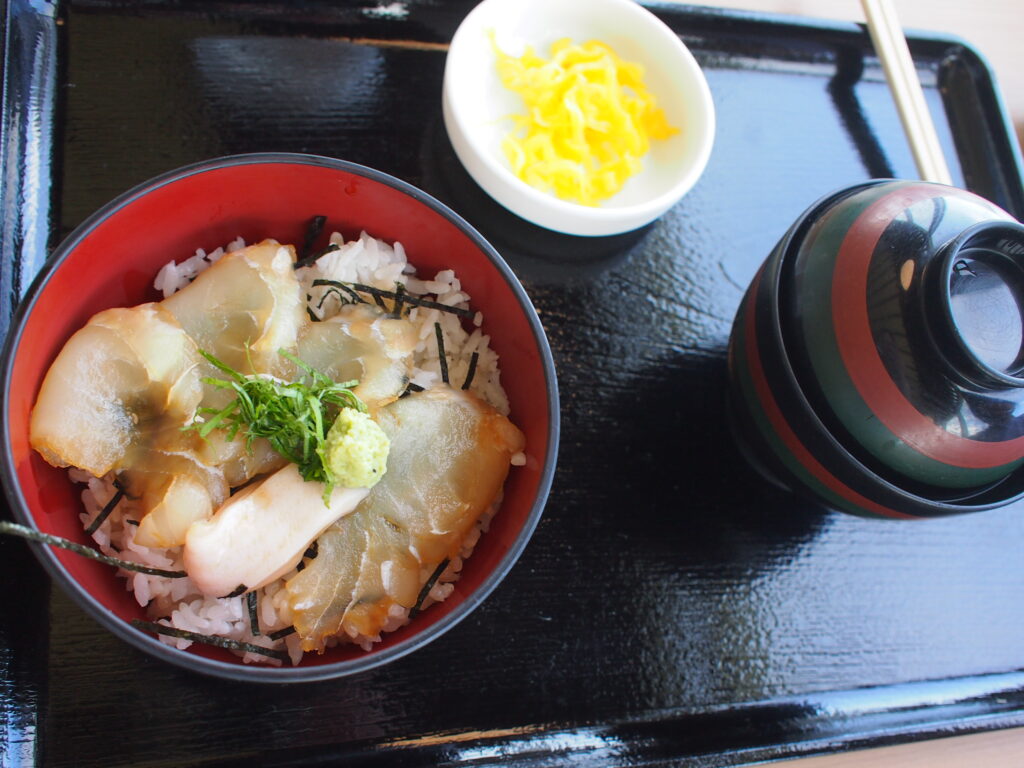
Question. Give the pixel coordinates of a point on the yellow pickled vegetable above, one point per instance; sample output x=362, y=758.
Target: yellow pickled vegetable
x=589, y=119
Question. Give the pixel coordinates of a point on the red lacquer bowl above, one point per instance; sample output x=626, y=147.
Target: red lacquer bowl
x=112, y=259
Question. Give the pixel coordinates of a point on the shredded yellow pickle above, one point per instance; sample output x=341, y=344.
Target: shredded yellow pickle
x=589, y=119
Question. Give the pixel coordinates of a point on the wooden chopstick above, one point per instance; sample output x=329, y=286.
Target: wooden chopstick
x=891, y=47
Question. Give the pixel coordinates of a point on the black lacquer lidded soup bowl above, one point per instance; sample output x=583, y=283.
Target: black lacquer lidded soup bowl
x=876, y=360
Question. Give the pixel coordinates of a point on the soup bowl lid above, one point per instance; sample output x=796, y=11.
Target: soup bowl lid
x=902, y=309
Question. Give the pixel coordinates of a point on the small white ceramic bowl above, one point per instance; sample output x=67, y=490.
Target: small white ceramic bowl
x=476, y=107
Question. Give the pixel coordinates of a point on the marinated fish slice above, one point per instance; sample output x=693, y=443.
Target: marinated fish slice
x=244, y=308
x=389, y=574
x=373, y=568
x=129, y=373
x=167, y=353
x=238, y=463
x=324, y=593
x=95, y=434
x=449, y=457
x=174, y=490
x=362, y=343
x=260, y=533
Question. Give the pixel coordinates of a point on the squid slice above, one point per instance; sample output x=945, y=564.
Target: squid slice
x=244, y=308
x=362, y=342
x=449, y=457
x=261, y=532
x=129, y=378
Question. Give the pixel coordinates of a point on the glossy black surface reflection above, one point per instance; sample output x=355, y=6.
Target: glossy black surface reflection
x=671, y=603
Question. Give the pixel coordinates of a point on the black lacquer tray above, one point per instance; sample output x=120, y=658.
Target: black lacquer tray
x=672, y=607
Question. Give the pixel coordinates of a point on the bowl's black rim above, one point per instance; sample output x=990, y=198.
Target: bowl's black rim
x=284, y=674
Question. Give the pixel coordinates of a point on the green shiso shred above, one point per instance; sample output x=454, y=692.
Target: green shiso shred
x=293, y=416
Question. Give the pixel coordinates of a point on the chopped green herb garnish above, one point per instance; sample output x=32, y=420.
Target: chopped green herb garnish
x=294, y=417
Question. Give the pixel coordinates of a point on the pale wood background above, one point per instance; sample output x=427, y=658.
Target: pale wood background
x=995, y=749
x=996, y=29
x=993, y=27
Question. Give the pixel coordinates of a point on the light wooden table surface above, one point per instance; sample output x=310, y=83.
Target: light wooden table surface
x=996, y=29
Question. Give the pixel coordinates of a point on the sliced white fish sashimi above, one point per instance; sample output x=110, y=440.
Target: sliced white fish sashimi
x=121, y=390
x=244, y=308
x=450, y=453
x=175, y=490
x=365, y=344
x=128, y=379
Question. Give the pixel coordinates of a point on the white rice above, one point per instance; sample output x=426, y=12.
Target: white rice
x=366, y=260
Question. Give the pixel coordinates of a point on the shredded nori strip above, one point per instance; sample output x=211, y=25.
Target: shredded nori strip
x=472, y=370
x=407, y=298
x=414, y=611
x=442, y=357
x=252, y=603
x=342, y=298
x=312, y=315
x=282, y=633
x=399, y=296
x=313, y=230
x=239, y=590
x=356, y=298
x=132, y=522
x=311, y=258
x=220, y=642
x=14, y=529
x=380, y=302
x=107, y=509
x=310, y=553
x=411, y=389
